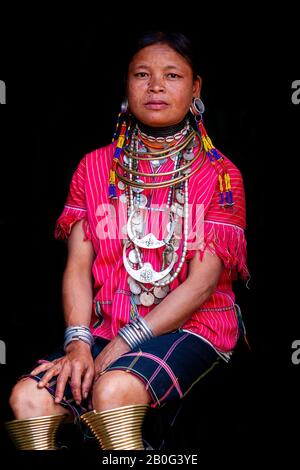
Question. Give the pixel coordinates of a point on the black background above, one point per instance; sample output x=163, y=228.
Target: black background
x=64, y=88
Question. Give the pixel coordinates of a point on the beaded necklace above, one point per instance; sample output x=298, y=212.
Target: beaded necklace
x=136, y=146
x=140, y=272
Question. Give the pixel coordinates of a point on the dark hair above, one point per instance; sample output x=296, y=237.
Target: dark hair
x=177, y=41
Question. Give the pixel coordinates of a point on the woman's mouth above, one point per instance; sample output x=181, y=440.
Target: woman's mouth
x=156, y=104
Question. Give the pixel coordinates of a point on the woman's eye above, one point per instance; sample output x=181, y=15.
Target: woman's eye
x=173, y=75
x=141, y=74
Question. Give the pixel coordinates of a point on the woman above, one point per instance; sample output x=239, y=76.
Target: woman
x=155, y=227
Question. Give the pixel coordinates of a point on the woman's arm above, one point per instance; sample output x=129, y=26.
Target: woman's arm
x=77, y=294
x=77, y=290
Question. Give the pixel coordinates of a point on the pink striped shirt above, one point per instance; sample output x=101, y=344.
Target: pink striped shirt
x=88, y=199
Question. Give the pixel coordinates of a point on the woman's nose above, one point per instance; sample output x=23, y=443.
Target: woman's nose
x=156, y=85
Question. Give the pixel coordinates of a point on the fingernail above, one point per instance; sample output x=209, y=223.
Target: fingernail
x=57, y=400
x=77, y=402
x=85, y=394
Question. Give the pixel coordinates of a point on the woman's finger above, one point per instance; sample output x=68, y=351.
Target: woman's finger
x=87, y=381
x=76, y=375
x=55, y=370
x=61, y=383
x=41, y=368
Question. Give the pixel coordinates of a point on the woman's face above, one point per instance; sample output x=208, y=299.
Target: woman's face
x=160, y=86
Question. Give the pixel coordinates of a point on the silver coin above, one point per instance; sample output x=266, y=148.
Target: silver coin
x=147, y=299
x=158, y=163
x=155, y=163
x=123, y=198
x=177, y=209
x=121, y=185
x=188, y=155
x=180, y=196
x=138, y=190
x=143, y=200
x=135, y=288
x=187, y=171
x=136, y=299
x=130, y=280
x=125, y=160
x=157, y=301
x=161, y=292
x=133, y=257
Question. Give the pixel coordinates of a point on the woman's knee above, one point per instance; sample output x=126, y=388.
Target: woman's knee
x=119, y=388
x=28, y=401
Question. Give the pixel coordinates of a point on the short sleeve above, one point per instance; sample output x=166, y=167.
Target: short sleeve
x=224, y=228
x=75, y=207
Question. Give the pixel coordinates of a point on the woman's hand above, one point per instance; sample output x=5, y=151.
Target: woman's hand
x=76, y=365
x=110, y=353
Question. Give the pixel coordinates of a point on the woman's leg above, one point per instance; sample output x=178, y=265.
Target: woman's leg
x=117, y=388
x=160, y=370
x=29, y=401
x=37, y=416
x=120, y=403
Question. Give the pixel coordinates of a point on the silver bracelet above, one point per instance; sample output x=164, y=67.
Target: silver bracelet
x=145, y=327
x=136, y=332
x=125, y=334
x=78, y=333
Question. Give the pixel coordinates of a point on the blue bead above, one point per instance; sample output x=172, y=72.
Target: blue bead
x=112, y=191
x=117, y=152
x=210, y=156
x=216, y=153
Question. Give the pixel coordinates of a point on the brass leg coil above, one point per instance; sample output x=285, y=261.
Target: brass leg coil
x=119, y=428
x=35, y=433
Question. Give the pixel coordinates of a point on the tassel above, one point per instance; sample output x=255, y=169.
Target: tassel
x=117, y=126
x=221, y=199
x=112, y=190
x=221, y=191
x=215, y=156
x=229, y=199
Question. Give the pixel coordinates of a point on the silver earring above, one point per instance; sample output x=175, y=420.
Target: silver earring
x=124, y=106
x=197, y=107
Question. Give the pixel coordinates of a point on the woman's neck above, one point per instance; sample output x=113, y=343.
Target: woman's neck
x=162, y=131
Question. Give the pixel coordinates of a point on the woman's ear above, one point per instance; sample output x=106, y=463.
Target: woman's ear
x=197, y=87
